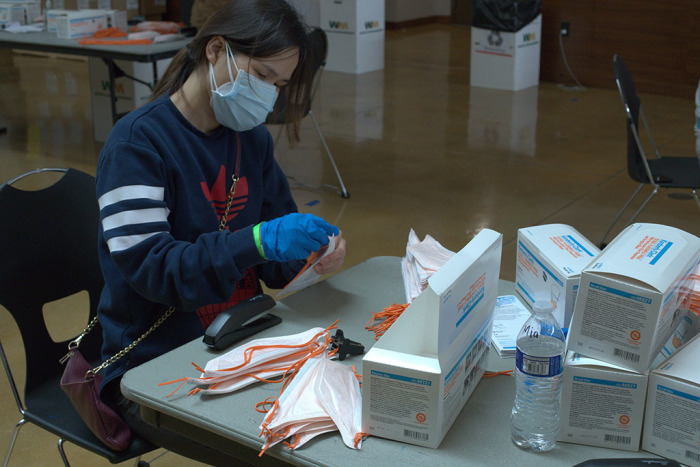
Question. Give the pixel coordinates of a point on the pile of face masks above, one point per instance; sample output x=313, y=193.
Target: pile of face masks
x=422, y=260
x=318, y=394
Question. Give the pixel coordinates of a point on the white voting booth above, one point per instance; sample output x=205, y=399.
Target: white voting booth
x=506, y=60
x=419, y=375
x=355, y=30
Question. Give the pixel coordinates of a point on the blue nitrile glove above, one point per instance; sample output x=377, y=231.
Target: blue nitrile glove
x=294, y=236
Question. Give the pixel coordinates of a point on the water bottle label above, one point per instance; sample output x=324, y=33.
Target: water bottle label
x=538, y=366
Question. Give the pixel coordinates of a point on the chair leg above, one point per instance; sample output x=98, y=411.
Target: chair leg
x=634, y=216
x=14, y=438
x=695, y=195
x=62, y=452
x=619, y=214
x=343, y=192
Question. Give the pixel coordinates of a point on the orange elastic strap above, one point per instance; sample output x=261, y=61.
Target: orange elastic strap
x=115, y=42
x=312, y=257
x=294, y=444
x=359, y=437
x=110, y=32
x=261, y=406
x=491, y=374
x=247, y=357
x=389, y=315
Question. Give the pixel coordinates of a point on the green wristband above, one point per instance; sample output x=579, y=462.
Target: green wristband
x=258, y=242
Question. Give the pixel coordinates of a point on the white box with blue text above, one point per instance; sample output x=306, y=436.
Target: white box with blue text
x=420, y=373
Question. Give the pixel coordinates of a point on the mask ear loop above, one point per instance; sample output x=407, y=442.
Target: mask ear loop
x=212, y=78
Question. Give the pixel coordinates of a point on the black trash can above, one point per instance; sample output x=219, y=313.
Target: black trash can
x=505, y=44
x=504, y=15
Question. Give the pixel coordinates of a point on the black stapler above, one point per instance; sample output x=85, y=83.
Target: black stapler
x=240, y=321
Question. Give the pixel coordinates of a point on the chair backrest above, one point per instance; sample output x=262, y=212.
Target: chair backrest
x=317, y=52
x=628, y=93
x=48, y=251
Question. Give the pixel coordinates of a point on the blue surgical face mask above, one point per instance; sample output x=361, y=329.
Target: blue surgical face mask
x=243, y=103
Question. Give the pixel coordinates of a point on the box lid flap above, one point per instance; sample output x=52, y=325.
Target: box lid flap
x=563, y=244
x=653, y=254
x=684, y=363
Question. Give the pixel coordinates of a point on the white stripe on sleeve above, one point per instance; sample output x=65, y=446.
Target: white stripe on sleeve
x=131, y=192
x=122, y=243
x=137, y=216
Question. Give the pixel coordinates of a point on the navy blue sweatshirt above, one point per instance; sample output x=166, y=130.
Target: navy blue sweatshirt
x=162, y=187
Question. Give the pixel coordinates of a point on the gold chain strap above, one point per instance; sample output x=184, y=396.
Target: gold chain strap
x=232, y=191
x=76, y=342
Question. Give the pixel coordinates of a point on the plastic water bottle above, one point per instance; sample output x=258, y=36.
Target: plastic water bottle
x=539, y=363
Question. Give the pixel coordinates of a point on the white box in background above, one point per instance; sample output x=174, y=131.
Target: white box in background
x=671, y=421
x=420, y=373
x=548, y=263
x=115, y=18
x=130, y=94
x=506, y=60
x=628, y=299
x=20, y=12
x=355, y=30
x=601, y=404
x=12, y=13
x=81, y=23
x=51, y=15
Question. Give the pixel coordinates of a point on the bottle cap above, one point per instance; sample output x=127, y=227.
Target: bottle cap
x=542, y=306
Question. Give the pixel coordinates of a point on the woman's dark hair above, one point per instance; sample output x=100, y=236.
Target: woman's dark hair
x=258, y=29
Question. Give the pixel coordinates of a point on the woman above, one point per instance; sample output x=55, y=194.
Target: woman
x=176, y=230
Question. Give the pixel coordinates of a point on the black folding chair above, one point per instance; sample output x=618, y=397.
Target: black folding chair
x=48, y=251
x=659, y=172
x=318, y=52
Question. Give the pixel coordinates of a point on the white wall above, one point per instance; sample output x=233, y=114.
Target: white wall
x=405, y=10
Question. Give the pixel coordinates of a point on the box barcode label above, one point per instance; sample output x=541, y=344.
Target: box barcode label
x=618, y=439
x=629, y=356
x=692, y=455
x=415, y=435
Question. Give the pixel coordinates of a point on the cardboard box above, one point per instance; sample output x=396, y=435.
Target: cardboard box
x=51, y=15
x=506, y=60
x=76, y=24
x=629, y=298
x=130, y=94
x=549, y=262
x=115, y=18
x=420, y=373
x=12, y=13
x=686, y=330
x=355, y=30
x=601, y=404
x=671, y=427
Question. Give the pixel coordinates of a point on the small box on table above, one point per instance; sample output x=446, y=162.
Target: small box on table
x=629, y=299
x=418, y=376
x=549, y=262
x=671, y=427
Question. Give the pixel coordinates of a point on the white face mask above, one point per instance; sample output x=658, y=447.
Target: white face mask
x=243, y=103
